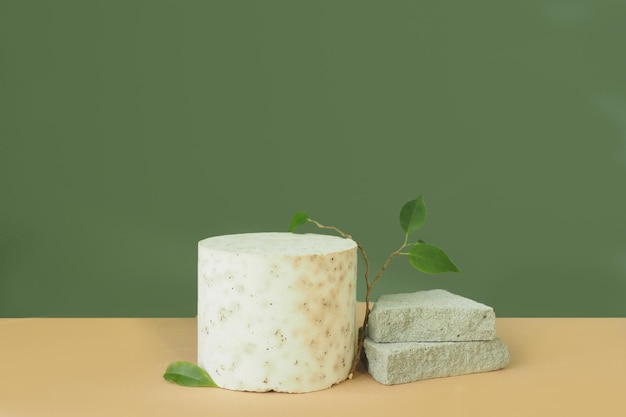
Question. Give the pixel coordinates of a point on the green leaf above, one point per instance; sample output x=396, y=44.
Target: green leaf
x=298, y=220
x=413, y=215
x=188, y=374
x=430, y=259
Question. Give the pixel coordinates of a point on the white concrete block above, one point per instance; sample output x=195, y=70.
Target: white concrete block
x=399, y=363
x=430, y=316
x=276, y=311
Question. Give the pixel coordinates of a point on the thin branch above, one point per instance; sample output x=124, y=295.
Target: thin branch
x=321, y=226
x=359, y=349
x=347, y=236
x=369, y=287
x=387, y=262
x=368, y=292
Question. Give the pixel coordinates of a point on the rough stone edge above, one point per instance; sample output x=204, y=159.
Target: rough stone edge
x=379, y=323
x=379, y=361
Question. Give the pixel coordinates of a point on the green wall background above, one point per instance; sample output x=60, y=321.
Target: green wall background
x=130, y=130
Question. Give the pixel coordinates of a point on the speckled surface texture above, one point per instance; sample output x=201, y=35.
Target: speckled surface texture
x=430, y=316
x=276, y=311
x=399, y=363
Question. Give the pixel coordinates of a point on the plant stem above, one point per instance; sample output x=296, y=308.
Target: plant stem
x=386, y=264
x=359, y=349
x=368, y=292
x=347, y=236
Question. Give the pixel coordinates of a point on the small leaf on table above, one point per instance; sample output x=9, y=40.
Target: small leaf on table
x=430, y=259
x=413, y=215
x=188, y=374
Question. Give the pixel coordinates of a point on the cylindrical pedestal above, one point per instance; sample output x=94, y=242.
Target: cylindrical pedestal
x=276, y=311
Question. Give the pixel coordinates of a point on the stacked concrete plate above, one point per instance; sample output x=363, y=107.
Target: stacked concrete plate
x=431, y=334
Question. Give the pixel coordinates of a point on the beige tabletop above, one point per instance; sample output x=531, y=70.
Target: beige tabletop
x=113, y=367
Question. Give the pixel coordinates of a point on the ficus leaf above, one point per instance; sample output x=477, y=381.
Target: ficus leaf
x=188, y=374
x=298, y=220
x=413, y=215
x=430, y=259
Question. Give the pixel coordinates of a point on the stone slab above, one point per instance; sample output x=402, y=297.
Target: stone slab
x=399, y=363
x=430, y=316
